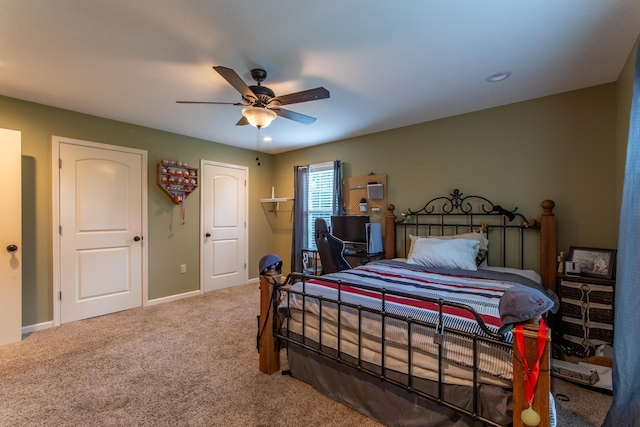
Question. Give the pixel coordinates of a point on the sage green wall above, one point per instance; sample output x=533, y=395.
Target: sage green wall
x=170, y=243
x=561, y=147
x=564, y=147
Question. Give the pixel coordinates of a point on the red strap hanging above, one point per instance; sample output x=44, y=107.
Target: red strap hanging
x=531, y=374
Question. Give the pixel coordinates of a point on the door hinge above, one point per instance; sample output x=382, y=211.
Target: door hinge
x=60, y=163
x=60, y=296
x=60, y=229
x=245, y=265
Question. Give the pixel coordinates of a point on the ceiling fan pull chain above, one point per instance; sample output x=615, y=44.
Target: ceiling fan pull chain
x=258, y=146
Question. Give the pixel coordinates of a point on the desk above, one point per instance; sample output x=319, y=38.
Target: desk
x=311, y=262
x=355, y=258
x=311, y=259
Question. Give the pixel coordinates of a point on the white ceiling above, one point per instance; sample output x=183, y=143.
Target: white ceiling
x=387, y=64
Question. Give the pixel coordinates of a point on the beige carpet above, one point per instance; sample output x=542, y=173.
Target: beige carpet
x=191, y=362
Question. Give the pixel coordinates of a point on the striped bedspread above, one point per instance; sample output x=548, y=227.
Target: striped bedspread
x=420, y=290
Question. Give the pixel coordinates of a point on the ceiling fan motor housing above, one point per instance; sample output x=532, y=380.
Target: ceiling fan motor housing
x=263, y=93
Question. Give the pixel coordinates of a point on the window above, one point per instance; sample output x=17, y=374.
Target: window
x=320, y=197
x=317, y=193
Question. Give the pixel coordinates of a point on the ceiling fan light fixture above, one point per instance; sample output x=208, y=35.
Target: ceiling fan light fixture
x=258, y=116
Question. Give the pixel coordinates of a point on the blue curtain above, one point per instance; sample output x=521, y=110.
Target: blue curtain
x=300, y=203
x=625, y=410
x=338, y=208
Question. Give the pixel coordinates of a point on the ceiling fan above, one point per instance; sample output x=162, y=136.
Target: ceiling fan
x=261, y=104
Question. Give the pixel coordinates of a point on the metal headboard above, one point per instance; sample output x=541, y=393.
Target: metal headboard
x=457, y=214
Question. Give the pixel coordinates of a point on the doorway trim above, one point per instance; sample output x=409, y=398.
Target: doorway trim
x=12, y=264
x=56, y=141
x=204, y=162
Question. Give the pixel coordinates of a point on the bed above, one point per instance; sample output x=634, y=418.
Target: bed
x=421, y=333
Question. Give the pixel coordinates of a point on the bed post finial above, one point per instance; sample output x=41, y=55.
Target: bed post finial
x=390, y=208
x=547, y=207
x=390, y=232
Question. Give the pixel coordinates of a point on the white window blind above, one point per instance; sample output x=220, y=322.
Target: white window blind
x=320, y=197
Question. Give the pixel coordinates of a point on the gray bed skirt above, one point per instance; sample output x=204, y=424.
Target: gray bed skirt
x=391, y=405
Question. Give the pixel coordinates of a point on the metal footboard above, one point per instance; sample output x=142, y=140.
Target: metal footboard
x=486, y=339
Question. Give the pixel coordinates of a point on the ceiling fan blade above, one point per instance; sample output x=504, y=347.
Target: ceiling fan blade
x=234, y=80
x=243, y=121
x=303, y=96
x=208, y=102
x=292, y=115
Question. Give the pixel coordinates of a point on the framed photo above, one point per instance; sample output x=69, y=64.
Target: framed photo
x=594, y=262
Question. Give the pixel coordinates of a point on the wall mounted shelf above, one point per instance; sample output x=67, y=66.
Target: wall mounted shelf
x=276, y=200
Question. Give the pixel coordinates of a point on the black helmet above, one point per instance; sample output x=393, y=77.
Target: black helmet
x=270, y=262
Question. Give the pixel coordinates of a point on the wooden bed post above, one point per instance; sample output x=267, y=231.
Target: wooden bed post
x=548, y=245
x=548, y=268
x=390, y=233
x=269, y=352
x=541, y=397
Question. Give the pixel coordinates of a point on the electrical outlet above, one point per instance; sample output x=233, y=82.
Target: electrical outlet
x=183, y=268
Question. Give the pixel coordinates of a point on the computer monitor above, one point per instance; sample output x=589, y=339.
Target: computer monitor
x=350, y=228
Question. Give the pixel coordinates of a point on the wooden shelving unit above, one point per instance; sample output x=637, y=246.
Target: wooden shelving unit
x=586, y=312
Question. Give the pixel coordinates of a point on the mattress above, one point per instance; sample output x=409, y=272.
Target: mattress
x=410, y=292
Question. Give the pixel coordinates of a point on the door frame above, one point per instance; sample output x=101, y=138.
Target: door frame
x=11, y=276
x=203, y=184
x=56, y=141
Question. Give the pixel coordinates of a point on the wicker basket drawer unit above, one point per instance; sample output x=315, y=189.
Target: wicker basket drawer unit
x=586, y=313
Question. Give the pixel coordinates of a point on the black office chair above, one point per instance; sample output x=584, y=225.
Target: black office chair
x=330, y=249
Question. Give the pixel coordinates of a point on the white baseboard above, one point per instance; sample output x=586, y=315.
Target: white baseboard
x=37, y=327
x=46, y=325
x=173, y=297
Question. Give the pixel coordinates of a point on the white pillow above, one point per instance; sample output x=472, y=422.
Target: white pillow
x=483, y=251
x=439, y=253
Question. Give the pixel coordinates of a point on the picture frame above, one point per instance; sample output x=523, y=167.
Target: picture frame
x=594, y=262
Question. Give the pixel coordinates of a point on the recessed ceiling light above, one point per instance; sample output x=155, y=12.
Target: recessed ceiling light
x=498, y=77
x=267, y=139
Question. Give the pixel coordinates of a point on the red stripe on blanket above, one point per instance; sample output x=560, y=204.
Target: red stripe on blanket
x=425, y=305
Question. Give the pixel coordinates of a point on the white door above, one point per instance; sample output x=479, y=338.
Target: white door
x=10, y=238
x=102, y=212
x=224, y=222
